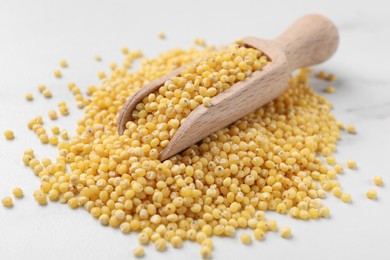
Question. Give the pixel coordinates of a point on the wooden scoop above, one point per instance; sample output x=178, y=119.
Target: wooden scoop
x=312, y=39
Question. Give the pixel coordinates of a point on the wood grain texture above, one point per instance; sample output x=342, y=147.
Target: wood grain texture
x=312, y=39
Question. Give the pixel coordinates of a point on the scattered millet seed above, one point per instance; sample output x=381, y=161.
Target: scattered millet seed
x=371, y=194
x=351, y=129
x=351, y=164
x=340, y=125
x=125, y=227
x=285, y=232
x=378, y=181
x=29, y=97
x=113, y=66
x=177, y=242
x=325, y=212
x=125, y=50
x=41, y=197
x=57, y=74
x=337, y=192
x=98, y=58
x=55, y=130
x=200, y=42
x=47, y=93
x=321, y=75
x=143, y=238
x=63, y=108
x=330, y=77
x=101, y=74
x=53, y=140
x=139, y=251
x=272, y=225
x=205, y=252
x=330, y=89
x=9, y=135
x=330, y=160
x=161, y=35
x=41, y=88
x=63, y=63
x=259, y=234
x=64, y=135
x=160, y=244
x=208, y=242
x=245, y=239
x=52, y=114
x=346, y=197
x=338, y=168
x=44, y=138
x=18, y=192
x=46, y=162
x=7, y=202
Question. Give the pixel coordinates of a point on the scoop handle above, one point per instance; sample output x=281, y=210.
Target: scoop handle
x=312, y=39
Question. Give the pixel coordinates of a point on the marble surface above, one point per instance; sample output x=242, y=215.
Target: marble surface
x=35, y=35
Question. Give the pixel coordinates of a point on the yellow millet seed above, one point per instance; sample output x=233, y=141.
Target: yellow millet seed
x=285, y=232
x=64, y=135
x=40, y=197
x=351, y=164
x=205, y=252
x=351, y=129
x=378, y=181
x=208, y=242
x=143, y=238
x=7, y=202
x=63, y=63
x=272, y=225
x=139, y=251
x=52, y=114
x=321, y=75
x=125, y=50
x=53, y=140
x=345, y=197
x=207, y=102
x=29, y=96
x=18, y=192
x=200, y=42
x=9, y=135
x=160, y=244
x=53, y=195
x=330, y=160
x=269, y=160
x=57, y=73
x=55, y=130
x=258, y=234
x=330, y=77
x=177, y=242
x=337, y=192
x=97, y=58
x=330, y=90
x=245, y=239
x=338, y=168
x=73, y=203
x=47, y=93
x=101, y=74
x=41, y=88
x=371, y=194
x=161, y=35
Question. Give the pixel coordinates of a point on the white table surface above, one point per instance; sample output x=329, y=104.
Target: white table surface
x=35, y=35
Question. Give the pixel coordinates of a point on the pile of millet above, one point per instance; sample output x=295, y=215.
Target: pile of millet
x=278, y=158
